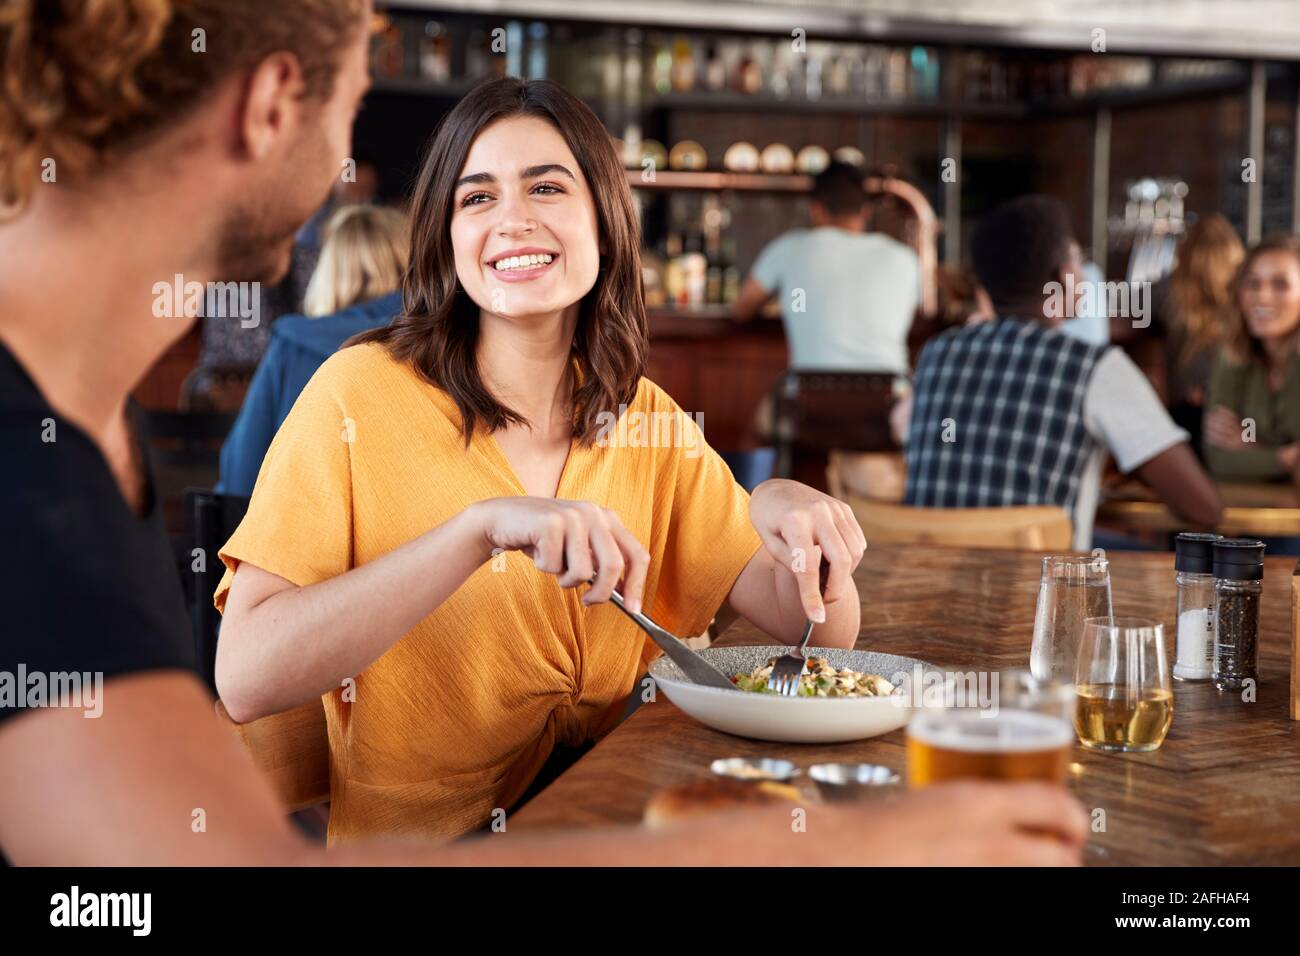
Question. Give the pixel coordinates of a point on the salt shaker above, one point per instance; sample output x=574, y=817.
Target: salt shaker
x=1194, y=564
x=1239, y=582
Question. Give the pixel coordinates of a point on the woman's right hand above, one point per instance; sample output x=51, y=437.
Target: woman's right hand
x=1222, y=428
x=574, y=540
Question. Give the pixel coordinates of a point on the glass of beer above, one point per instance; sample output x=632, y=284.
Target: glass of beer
x=1022, y=732
x=1125, y=702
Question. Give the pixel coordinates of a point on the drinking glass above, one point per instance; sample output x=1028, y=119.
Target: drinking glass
x=1125, y=702
x=1072, y=589
x=1021, y=731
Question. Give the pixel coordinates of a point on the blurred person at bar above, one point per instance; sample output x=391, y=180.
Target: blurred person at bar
x=1192, y=309
x=1252, y=427
x=356, y=287
x=357, y=185
x=847, y=296
x=1014, y=412
x=212, y=162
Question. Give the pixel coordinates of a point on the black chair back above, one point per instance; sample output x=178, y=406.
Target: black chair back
x=816, y=411
x=210, y=520
x=184, y=451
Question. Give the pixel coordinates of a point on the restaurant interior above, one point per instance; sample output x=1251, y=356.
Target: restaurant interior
x=1079, y=527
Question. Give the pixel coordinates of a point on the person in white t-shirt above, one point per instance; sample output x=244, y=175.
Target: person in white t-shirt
x=847, y=296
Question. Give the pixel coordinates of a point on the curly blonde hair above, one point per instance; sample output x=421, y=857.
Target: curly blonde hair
x=364, y=256
x=84, y=80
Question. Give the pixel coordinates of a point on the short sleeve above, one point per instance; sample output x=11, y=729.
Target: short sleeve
x=769, y=265
x=1123, y=412
x=299, y=521
x=709, y=537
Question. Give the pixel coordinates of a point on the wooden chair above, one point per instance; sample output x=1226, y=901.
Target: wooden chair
x=1295, y=644
x=878, y=476
x=1030, y=528
x=291, y=750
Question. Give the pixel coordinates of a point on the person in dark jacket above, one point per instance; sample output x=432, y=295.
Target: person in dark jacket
x=351, y=291
x=299, y=344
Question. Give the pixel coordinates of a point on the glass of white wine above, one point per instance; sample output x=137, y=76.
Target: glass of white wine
x=1124, y=698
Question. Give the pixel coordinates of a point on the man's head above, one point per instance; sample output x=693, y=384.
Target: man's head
x=838, y=198
x=243, y=108
x=1022, y=246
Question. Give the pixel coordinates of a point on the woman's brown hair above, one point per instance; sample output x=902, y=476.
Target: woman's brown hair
x=83, y=80
x=1201, y=287
x=437, y=331
x=1240, y=345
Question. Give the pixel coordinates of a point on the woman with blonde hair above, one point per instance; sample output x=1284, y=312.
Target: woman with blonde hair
x=356, y=287
x=1198, y=310
x=1252, y=426
x=364, y=256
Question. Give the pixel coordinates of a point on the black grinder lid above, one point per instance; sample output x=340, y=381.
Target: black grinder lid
x=1239, y=559
x=1193, y=552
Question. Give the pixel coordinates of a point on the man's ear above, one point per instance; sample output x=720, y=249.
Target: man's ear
x=271, y=106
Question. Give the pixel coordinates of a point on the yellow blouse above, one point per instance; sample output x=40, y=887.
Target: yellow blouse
x=456, y=718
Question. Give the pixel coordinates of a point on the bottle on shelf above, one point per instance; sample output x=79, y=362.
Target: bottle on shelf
x=435, y=53
x=537, y=51
x=683, y=66
x=715, y=69
x=750, y=76
x=896, y=82
x=389, y=56
x=661, y=68
x=480, y=61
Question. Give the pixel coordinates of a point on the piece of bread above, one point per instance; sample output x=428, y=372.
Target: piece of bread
x=712, y=794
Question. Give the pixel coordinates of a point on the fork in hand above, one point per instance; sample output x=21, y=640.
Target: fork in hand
x=788, y=670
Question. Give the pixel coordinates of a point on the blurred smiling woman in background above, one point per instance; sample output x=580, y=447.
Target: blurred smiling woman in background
x=1252, y=426
x=429, y=509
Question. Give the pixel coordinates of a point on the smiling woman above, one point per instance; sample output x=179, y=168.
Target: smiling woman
x=547, y=182
x=437, y=480
x=1252, y=422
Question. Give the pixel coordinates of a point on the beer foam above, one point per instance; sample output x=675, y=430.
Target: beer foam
x=1007, y=731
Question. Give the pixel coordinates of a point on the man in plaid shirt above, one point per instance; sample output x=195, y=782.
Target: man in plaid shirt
x=1014, y=412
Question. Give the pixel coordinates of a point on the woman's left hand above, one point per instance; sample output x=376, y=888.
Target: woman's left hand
x=799, y=526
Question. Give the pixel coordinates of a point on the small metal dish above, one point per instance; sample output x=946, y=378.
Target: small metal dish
x=849, y=781
x=754, y=768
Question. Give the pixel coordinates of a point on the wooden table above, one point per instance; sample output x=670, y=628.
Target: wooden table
x=1224, y=788
x=1254, y=509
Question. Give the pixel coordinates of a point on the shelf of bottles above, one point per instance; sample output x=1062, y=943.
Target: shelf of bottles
x=416, y=50
x=634, y=77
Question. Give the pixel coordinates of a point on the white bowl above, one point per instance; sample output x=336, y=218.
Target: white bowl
x=804, y=720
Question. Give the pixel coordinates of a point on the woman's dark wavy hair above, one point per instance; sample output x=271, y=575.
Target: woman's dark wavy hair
x=438, y=329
